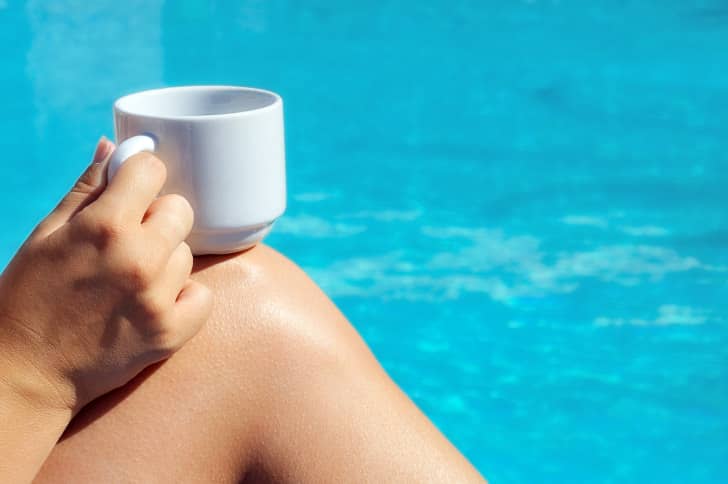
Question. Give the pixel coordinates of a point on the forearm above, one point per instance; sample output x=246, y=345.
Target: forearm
x=31, y=420
x=28, y=433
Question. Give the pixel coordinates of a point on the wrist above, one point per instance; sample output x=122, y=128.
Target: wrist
x=26, y=401
x=30, y=430
x=24, y=381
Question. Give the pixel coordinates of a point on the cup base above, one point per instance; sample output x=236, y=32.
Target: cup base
x=227, y=242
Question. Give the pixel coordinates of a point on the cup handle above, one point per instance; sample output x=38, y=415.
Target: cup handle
x=128, y=148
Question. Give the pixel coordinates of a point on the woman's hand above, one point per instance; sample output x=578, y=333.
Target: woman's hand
x=101, y=289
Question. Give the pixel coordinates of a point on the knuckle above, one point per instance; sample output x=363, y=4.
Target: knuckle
x=149, y=164
x=206, y=303
x=186, y=255
x=91, y=180
x=135, y=275
x=107, y=232
x=101, y=228
x=82, y=188
x=179, y=202
x=181, y=268
x=154, y=311
x=166, y=338
x=178, y=207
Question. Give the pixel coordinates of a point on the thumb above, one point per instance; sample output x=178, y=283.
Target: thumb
x=86, y=189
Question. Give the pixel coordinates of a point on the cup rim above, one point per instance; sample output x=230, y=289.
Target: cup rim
x=120, y=102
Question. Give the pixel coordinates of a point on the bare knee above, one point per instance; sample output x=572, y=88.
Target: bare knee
x=318, y=390
x=261, y=295
x=269, y=317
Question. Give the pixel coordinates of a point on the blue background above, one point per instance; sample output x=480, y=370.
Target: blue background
x=520, y=204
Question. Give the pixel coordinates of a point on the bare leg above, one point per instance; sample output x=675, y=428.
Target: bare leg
x=278, y=387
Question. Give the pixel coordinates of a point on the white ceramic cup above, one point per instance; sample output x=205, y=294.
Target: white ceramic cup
x=223, y=147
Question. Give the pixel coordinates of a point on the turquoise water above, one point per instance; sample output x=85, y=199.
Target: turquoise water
x=522, y=205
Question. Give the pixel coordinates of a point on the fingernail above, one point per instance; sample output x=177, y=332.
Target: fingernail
x=103, y=149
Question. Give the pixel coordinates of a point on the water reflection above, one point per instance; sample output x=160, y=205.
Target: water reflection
x=209, y=42
x=84, y=54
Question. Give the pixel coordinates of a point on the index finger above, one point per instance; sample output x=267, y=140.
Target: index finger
x=135, y=186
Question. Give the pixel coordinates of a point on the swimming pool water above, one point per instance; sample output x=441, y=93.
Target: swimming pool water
x=522, y=205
